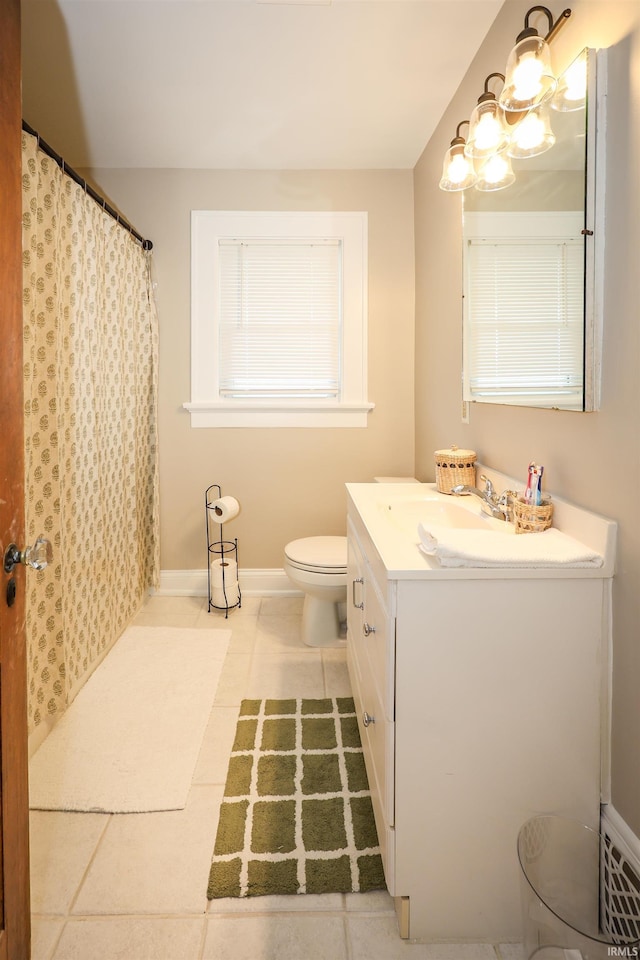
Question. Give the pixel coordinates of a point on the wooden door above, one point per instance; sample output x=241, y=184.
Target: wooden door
x=14, y=812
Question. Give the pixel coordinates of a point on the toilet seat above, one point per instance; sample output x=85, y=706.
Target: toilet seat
x=323, y=555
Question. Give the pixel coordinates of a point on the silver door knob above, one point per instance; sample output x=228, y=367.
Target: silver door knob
x=367, y=718
x=37, y=556
x=367, y=629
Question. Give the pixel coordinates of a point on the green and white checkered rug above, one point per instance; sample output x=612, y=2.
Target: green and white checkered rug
x=297, y=814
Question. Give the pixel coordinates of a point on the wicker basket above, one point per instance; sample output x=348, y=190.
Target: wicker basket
x=531, y=517
x=454, y=467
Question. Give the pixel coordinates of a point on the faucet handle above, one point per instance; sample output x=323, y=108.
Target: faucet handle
x=488, y=486
x=505, y=500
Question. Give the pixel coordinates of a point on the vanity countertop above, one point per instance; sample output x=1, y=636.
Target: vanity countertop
x=390, y=513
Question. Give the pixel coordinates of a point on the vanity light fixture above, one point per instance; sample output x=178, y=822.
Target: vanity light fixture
x=517, y=123
x=488, y=133
x=529, y=78
x=458, y=172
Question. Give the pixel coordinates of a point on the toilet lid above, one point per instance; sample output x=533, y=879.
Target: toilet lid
x=318, y=552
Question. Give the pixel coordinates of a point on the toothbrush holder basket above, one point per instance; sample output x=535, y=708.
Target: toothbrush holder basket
x=532, y=517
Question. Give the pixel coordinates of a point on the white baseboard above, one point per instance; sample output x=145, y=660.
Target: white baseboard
x=253, y=583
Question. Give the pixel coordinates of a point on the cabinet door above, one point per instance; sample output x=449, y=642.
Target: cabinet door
x=355, y=585
x=378, y=642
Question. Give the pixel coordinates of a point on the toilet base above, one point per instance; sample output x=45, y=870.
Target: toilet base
x=321, y=623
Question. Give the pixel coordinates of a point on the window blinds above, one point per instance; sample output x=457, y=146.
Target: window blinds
x=280, y=330
x=514, y=351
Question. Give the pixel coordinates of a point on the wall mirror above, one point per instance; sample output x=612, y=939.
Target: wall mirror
x=531, y=298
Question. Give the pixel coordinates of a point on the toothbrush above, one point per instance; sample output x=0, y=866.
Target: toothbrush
x=529, y=491
x=539, y=486
x=533, y=492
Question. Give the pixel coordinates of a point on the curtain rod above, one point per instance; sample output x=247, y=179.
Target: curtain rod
x=44, y=146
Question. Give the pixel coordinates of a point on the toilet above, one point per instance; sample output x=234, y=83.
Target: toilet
x=318, y=567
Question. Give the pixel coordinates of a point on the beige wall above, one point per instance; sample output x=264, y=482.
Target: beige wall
x=592, y=459
x=290, y=483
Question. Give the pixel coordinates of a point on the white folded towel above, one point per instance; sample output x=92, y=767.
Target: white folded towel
x=454, y=547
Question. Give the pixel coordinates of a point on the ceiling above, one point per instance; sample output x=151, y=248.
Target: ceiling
x=245, y=84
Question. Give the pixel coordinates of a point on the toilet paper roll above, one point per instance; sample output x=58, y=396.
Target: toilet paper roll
x=224, y=571
x=232, y=592
x=226, y=508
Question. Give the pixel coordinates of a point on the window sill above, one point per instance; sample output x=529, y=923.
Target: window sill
x=243, y=414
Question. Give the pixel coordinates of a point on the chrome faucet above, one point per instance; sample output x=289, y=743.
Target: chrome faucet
x=499, y=507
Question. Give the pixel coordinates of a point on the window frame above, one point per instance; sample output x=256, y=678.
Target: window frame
x=207, y=407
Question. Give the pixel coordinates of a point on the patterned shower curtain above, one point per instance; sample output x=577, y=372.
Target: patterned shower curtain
x=90, y=387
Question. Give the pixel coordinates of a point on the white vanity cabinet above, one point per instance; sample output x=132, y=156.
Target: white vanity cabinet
x=482, y=700
x=371, y=654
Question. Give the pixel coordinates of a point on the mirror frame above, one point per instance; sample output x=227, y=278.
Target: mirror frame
x=595, y=222
x=595, y=152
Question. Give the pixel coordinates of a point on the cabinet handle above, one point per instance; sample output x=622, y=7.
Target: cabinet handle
x=367, y=718
x=358, y=606
x=368, y=629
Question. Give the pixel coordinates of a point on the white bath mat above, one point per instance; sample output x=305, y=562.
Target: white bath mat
x=130, y=740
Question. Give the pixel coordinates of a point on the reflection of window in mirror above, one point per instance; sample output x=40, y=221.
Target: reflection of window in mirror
x=524, y=316
x=524, y=268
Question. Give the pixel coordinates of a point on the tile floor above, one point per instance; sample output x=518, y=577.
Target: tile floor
x=133, y=887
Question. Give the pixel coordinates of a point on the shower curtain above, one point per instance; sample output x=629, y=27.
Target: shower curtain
x=90, y=389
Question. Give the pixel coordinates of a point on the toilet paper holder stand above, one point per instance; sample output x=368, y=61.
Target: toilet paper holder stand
x=222, y=555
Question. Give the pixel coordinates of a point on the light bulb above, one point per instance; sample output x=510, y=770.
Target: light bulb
x=488, y=132
x=576, y=80
x=495, y=173
x=494, y=169
x=526, y=77
x=572, y=87
x=530, y=132
x=533, y=135
x=487, y=129
x=458, y=169
x=529, y=78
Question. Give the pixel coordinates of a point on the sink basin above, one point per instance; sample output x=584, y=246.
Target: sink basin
x=405, y=513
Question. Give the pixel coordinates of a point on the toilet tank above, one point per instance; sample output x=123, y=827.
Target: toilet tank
x=396, y=480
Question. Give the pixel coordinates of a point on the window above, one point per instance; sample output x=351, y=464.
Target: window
x=512, y=354
x=278, y=319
